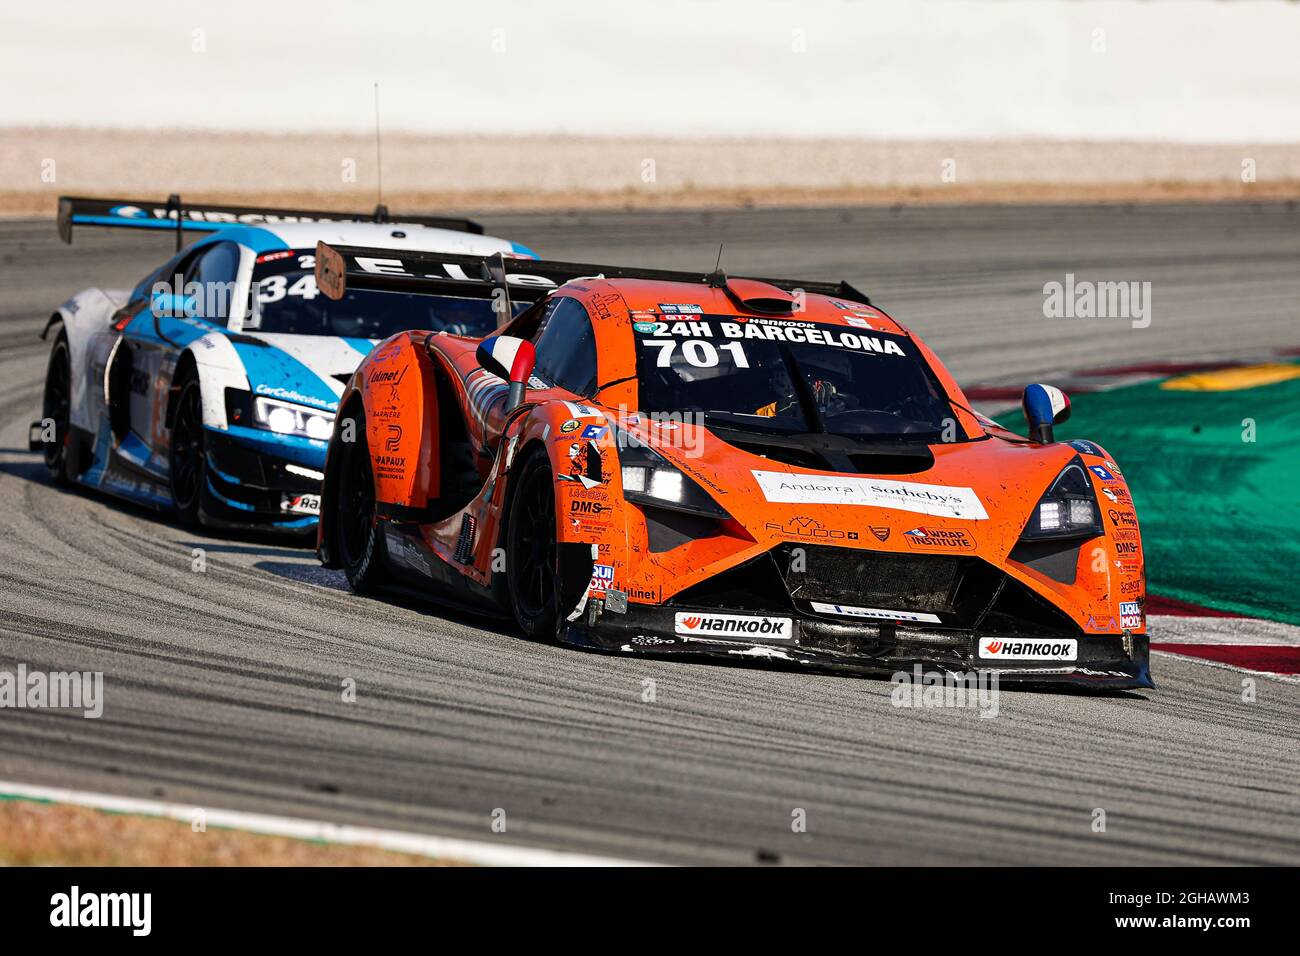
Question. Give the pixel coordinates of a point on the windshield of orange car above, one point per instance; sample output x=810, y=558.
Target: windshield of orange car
x=789, y=376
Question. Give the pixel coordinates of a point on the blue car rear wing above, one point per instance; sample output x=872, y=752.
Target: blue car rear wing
x=339, y=268
x=210, y=217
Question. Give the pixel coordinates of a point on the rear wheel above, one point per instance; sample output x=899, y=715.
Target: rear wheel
x=360, y=544
x=189, y=467
x=56, y=407
x=531, y=564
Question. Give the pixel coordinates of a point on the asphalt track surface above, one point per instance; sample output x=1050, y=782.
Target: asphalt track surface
x=223, y=688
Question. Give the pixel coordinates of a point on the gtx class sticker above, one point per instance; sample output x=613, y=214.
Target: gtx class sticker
x=999, y=648
x=787, y=488
x=875, y=613
x=699, y=624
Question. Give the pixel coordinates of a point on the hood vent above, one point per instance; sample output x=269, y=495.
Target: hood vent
x=849, y=458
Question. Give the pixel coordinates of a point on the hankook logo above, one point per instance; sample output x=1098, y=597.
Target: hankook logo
x=734, y=626
x=998, y=648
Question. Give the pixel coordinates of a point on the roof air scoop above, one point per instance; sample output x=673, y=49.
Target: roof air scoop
x=755, y=296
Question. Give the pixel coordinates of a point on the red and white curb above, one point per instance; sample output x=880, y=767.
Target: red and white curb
x=1248, y=645
x=1001, y=398
x=479, y=852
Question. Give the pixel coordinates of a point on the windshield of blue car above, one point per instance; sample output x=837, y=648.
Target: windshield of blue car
x=290, y=302
x=790, y=376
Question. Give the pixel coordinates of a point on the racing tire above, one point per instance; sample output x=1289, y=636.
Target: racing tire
x=532, y=567
x=187, y=454
x=56, y=404
x=360, y=543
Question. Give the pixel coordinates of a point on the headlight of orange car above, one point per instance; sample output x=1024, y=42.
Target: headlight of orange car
x=648, y=479
x=1068, y=509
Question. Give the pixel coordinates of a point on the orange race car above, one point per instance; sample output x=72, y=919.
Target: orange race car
x=677, y=463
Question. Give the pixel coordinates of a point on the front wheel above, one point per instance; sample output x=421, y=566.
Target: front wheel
x=531, y=564
x=360, y=543
x=56, y=407
x=189, y=467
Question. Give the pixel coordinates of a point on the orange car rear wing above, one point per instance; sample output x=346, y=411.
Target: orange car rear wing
x=339, y=268
x=179, y=216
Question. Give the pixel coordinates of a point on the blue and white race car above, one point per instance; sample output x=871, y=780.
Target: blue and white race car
x=210, y=387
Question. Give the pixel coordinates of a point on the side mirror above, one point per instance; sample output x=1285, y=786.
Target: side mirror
x=1044, y=406
x=510, y=358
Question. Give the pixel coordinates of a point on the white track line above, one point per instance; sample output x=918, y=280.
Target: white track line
x=1224, y=665
x=466, y=851
x=1181, y=629
x=1223, y=632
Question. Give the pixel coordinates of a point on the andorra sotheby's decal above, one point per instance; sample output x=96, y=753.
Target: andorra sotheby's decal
x=733, y=625
x=783, y=487
x=1001, y=648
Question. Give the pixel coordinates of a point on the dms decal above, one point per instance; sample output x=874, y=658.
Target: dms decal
x=786, y=488
x=734, y=625
x=1000, y=648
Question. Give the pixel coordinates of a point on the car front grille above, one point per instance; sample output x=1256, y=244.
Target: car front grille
x=905, y=582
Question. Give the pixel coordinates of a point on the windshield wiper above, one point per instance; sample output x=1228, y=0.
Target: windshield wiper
x=736, y=421
x=617, y=381
x=806, y=397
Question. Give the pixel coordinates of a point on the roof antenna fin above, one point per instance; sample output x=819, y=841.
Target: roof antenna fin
x=718, y=278
x=381, y=211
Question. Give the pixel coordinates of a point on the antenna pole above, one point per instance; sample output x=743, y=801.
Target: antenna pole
x=380, y=212
x=717, y=279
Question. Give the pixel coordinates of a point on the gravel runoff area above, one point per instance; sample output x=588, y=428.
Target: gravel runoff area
x=555, y=172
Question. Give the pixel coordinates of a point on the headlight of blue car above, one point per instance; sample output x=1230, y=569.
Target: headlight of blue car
x=288, y=418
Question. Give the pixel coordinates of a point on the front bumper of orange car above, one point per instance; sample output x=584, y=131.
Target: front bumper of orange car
x=1101, y=661
x=870, y=613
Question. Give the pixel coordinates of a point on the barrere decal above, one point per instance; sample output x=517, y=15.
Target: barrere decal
x=875, y=613
x=782, y=487
x=734, y=625
x=1000, y=648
